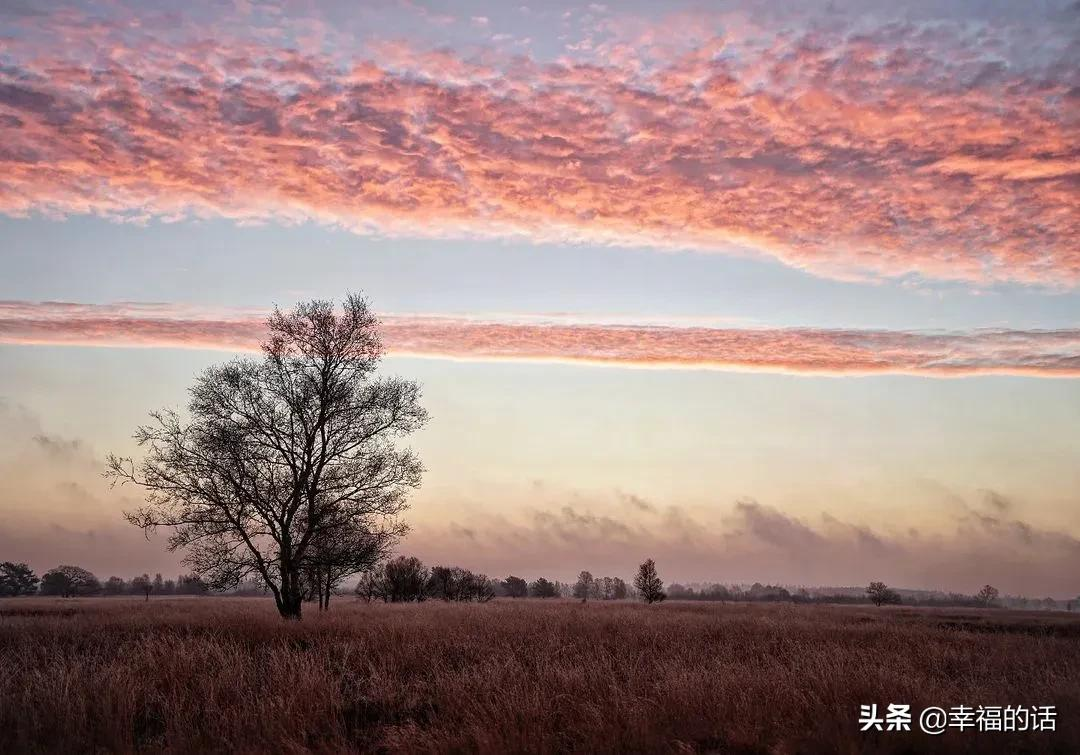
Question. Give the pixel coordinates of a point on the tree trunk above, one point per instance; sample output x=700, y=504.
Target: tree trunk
x=291, y=598
x=290, y=605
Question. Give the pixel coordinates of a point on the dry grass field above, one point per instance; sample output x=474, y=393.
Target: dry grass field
x=186, y=675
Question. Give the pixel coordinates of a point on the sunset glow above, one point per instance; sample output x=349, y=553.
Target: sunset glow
x=779, y=226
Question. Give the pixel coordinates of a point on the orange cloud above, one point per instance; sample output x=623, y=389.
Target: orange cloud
x=872, y=151
x=1040, y=353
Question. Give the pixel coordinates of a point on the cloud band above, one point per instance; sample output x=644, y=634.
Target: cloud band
x=862, y=150
x=1040, y=353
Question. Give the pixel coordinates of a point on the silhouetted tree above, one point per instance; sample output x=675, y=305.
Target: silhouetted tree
x=988, y=595
x=584, y=586
x=69, y=582
x=542, y=588
x=369, y=587
x=404, y=579
x=342, y=553
x=515, y=587
x=17, y=579
x=455, y=583
x=282, y=453
x=115, y=586
x=142, y=585
x=481, y=589
x=880, y=594
x=619, y=591
x=443, y=582
x=648, y=583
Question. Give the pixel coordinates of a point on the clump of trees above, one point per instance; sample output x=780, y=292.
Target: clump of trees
x=648, y=583
x=543, y=588
x=515, y=587
x=17, y=579
x=406, y=579
x=286, y=467
x=880, y=594
x=185, y=584
x=721, y=593
x=69, y=582
x=599, y=588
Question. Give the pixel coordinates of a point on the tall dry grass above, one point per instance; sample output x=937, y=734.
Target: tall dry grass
x=186, y=675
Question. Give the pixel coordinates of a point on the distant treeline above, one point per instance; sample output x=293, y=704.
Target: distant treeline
x=407, y=579
x=856, y=595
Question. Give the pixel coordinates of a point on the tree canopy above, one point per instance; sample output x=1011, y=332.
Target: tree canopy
x=17, y=579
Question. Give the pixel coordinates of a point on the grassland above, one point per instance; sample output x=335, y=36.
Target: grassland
x=185, y=675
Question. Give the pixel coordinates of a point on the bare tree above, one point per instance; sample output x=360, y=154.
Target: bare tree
x=444, y=582
x=648, y=583
x=285, y=457
x=403, y=580
x=880, y=594
x=456, y=583
x=341, y=553
x=988, y=595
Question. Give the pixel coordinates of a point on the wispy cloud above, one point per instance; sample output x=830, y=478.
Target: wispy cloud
x=849, y=145
x=1040, y=353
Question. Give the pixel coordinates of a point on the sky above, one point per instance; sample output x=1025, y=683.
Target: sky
x=764, y=293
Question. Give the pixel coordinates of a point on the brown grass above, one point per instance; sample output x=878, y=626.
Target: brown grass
x=184, y=675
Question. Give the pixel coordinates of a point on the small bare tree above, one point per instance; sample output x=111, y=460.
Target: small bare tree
x=285, y=458
x=988, y=595
x=648, y=583
x=880, y=594
x=341, y=553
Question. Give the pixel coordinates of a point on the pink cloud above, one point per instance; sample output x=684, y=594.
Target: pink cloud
x=1040, y=353
x=872, y=151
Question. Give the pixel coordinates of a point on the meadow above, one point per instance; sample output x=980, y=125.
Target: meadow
x=228, y=675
